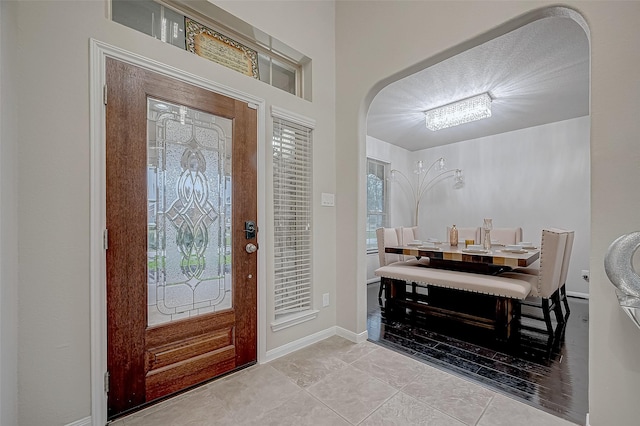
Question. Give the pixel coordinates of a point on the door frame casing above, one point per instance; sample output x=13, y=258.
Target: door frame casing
x=98, y=52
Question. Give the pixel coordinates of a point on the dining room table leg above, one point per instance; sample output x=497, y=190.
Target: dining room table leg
x=394, y=290
x=504, y=317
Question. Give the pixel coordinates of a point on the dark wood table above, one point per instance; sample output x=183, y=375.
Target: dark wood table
x=492, y=312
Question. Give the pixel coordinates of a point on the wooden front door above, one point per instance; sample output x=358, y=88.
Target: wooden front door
x=181, y=184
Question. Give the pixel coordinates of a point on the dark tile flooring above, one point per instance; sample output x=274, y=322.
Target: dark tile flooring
x=550, y=374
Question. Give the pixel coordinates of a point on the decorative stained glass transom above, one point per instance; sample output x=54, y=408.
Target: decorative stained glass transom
x=189, y=212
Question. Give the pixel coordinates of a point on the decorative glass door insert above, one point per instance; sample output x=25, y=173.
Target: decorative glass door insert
x=189, y=212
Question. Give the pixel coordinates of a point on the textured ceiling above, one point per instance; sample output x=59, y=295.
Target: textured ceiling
x=537, y=74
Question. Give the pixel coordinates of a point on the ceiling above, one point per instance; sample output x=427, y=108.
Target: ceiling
x=537, y=74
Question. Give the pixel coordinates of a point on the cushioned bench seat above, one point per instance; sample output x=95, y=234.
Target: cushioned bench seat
x=487, y=301
x=468, y=281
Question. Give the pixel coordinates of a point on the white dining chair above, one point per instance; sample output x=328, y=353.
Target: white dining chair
x=390, y=237
x=565, y=269
x=545, y=285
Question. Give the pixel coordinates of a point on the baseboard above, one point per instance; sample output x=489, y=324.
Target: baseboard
x=587, y=423
x=311, y=339
x=299, y=344
x=350, y=335
x=578, y=294
x=82, y=422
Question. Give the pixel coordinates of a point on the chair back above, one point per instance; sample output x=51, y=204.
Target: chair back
x=387, y=237
x=552, y=249
x=466, y=234
x=506, y=235
x=406, y=235
x=567, y=254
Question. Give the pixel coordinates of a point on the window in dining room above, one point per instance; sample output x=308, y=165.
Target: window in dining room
x=377, y=200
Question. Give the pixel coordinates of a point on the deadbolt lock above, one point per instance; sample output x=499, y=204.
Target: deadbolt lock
x=250, y=229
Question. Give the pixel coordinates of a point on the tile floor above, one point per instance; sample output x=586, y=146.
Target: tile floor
x=336, y=382
x=550, y=375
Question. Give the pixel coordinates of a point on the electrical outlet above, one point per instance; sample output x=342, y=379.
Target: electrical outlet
x=585, y=275
x=325, y=300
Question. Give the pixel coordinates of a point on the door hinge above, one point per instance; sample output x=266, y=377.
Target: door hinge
x=104, y=94
x=105, y=239
x=106, y=382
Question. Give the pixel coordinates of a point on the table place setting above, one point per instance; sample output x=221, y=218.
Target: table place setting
x=527, y=245
x=475, y=248
x=430, y=243
x=429, y=246
x=514, y=248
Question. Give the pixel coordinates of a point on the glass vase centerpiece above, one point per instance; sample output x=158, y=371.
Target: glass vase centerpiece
x=487, y=226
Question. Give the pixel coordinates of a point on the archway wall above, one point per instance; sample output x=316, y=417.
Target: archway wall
x=381, y=42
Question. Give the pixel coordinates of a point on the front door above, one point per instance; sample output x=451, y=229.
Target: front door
x=180, y=192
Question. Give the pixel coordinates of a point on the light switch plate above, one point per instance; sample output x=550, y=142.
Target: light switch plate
x=328, y=199
x=325, y=300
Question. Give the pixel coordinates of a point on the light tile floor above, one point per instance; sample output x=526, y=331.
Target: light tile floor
x=336, y=382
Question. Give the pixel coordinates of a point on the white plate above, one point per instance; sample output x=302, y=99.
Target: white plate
x=530, y=247
x=414, y=244
x=474, y=251
x=514, y=251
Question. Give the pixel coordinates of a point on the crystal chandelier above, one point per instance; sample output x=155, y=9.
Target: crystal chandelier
x=459, y=112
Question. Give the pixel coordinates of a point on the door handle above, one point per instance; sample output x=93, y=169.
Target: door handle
x=251, y=248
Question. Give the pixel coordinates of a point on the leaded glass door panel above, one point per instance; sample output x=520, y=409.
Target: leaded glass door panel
x=189, y=216
x=180, y=184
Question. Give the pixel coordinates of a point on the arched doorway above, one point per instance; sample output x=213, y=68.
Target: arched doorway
x=510, y=169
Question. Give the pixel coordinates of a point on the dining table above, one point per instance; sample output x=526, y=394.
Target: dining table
x=491, y=261
x=494, y=312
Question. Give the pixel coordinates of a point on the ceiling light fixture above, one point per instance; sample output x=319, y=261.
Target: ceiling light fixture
x=459, y=112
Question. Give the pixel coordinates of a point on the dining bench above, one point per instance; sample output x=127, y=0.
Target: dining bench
x=487, y=301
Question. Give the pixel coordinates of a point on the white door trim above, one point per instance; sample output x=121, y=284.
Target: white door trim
x=98, y=52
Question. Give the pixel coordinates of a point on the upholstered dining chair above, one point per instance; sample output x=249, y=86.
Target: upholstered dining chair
x=565, y=269
x=466, y=234
x=505, y=235
x=406, y=236
x=389, y=237
x=545, y=285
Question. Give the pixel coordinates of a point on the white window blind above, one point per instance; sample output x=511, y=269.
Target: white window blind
x=292, y=204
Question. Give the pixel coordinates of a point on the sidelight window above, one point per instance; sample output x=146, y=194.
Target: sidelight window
x=292, y=209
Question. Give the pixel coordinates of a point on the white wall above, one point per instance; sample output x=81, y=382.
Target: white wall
x=308, y=27
x=419, y=34
x=8, y=221
x=533, y=178
x=53, y=166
